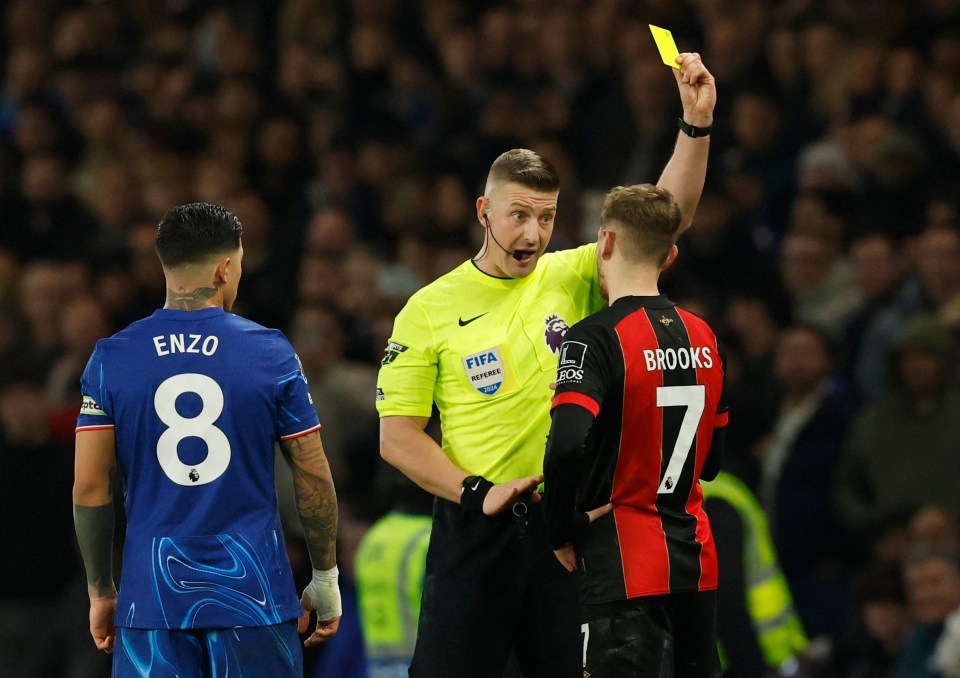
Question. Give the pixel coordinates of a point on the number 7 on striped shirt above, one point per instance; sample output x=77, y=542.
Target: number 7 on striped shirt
x=693, y=399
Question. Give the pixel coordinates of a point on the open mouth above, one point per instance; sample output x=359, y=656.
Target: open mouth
x=524, y=256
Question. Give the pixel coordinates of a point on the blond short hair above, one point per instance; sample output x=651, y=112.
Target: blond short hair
x=646, y=216
x=525, y=167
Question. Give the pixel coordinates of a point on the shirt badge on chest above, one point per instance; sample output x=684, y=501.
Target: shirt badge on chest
x=485, y=370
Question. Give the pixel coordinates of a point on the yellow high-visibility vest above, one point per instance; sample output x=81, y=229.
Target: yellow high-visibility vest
x=769, y=602
x=389, y=568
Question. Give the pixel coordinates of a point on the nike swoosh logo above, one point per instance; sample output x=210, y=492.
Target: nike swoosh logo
x=464, y=323
x=476, y=484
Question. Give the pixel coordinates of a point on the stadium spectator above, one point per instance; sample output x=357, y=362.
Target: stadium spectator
x=882, y=621
x=718, y=257
x=934, y=525
x=881, y=264
x=753, y=325
x=931, y=573
x=83, y=321
x=37, y=517
x=938, y=264
x=818, y=280
x=45, y=291
x=341, y=390
x=798, y=472
x=919, y=424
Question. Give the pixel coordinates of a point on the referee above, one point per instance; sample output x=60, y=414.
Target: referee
x=638, y=418
x=481, y=343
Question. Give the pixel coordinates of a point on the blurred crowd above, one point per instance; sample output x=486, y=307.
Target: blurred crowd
x=352, y=137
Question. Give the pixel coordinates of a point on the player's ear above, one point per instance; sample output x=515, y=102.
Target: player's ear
x=222, y=272
x=606, y=242
x=671, y=256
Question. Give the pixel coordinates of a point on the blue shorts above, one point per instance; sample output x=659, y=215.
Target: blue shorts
x=211, y=653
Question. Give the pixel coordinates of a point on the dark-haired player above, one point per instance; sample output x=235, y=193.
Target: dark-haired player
x=189, y=402
x=638, y=418
x=481, y=344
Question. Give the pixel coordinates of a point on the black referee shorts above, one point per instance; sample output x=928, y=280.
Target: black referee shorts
x=494, y=588
x=668, y=636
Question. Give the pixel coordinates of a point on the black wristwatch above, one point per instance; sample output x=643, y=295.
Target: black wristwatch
x=692, y=131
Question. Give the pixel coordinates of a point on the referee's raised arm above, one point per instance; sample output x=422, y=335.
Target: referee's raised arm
x=686, y=171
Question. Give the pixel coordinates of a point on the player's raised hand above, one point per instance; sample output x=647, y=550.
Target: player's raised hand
x=698, y=90
x=503, y=495
x=322, y=596
x=103, y=609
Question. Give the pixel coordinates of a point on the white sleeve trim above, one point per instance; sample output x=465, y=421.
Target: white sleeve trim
x=302, y=433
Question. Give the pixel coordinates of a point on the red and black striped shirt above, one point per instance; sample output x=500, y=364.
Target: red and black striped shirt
x=639, y=398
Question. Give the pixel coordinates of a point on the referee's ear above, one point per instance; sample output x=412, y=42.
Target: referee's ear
x=483, y=210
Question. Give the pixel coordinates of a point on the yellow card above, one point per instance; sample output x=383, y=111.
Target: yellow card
x=666, y=45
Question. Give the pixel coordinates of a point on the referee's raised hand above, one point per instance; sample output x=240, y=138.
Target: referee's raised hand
x=698, y=89
x=504, y=495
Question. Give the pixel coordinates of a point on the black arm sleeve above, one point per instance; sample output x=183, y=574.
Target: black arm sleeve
x=711, y=467
x=562, y=468
x=734, y=626
x=94, y=527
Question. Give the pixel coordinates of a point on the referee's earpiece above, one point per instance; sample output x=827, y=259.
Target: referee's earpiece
x=486, y=217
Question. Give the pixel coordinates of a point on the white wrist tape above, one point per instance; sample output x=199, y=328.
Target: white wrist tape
x=324, y=593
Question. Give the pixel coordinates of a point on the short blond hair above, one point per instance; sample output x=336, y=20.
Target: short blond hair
x=527, y=168
x=647, y=217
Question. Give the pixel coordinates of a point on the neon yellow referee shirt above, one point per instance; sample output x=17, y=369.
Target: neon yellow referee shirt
x=484, y=349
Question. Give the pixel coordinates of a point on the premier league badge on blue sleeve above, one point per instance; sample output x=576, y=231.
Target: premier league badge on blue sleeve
x=485, y=370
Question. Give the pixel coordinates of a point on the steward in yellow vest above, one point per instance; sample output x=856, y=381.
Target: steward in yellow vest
x=389, y=573
x=758, y=628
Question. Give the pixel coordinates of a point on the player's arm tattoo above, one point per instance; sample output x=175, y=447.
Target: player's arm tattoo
x=316, y=497
x=190, y=300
